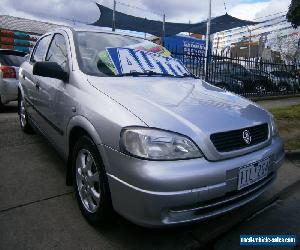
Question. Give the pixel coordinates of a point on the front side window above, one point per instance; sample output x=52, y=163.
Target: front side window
x=40, y=49
x=105, y=54
x=282, y=74
x=224, y=68
x=58, y=51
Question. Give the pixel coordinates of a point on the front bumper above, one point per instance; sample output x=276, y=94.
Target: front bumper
x=155, y=194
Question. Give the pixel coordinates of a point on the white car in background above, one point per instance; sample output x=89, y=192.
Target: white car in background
x=10, y=60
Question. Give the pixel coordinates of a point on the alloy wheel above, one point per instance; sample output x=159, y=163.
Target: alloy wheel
x=88, y=180
x=282, y=88
x=260, y=89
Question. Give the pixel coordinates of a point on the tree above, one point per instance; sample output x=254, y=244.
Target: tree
x=293, y=15
x=287, y=46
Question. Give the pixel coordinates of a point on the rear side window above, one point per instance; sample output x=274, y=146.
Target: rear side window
x=40, y=49
x=11, y=60
x=58, y=51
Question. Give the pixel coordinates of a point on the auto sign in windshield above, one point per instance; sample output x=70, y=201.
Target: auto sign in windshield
x=104, y=54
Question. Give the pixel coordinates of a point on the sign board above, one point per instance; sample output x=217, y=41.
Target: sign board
x=185, y=44
x=128, y=60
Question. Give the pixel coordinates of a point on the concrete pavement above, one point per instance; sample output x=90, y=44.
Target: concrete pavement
x=37, y=210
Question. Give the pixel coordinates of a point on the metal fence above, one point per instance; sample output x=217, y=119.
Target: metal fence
x=249, y=77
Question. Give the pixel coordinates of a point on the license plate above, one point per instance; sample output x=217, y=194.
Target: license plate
x=252, y=173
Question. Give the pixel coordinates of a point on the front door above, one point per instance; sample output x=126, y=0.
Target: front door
x=30, y=81
x=52, y=92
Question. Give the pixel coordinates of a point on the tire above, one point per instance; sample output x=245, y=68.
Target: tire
x=90, y=182
x=260, y=88
x=283, y=88
x=23, y=117
x=1, y=105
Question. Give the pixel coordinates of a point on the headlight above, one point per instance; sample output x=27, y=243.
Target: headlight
x=274, y=129
x=155, y=144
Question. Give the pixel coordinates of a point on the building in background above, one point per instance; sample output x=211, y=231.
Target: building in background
x=275, y=34
x=20, y=33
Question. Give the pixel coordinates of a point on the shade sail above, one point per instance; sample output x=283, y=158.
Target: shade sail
x=128, y=22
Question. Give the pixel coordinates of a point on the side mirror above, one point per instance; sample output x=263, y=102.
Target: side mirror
x=50, y=69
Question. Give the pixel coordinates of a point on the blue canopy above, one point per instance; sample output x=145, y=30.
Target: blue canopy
x=128, y=22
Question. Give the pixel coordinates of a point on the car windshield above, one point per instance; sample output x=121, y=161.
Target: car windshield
x=105, y=54
x=231, y=68
x=282, y=74
x=258, y=72
x=11, y=60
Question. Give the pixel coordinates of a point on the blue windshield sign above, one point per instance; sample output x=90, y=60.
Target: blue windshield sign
x=127, y=60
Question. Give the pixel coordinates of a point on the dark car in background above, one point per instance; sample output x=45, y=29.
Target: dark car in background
x=259, y=73
x=285, y=81
x=252, y=82
x=227, y=83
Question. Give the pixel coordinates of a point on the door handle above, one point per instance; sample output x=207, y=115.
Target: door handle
x=37, y=85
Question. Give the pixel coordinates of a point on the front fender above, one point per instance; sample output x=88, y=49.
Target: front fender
x=85, y=124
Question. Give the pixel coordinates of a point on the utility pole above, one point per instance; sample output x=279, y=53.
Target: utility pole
x=218, y=39
x=163, y=30
x=207, y=40
x=114, y=17
x=249, y=45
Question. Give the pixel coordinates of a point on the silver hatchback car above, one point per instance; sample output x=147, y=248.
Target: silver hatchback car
x=140, y=134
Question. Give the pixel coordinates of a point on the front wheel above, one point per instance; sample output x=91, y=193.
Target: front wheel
x=283, y=88
x=90, y=182
x=260, y=88
x=23, y=117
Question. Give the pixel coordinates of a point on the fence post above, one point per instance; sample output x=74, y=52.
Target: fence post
x=207, y=40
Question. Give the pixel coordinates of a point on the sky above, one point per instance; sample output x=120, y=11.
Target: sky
x=175, y=10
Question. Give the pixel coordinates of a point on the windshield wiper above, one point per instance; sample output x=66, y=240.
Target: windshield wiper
x=135, y=73
x=153, y=73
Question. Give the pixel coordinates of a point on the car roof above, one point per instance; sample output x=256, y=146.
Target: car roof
x=91, y=28
x=258, y=70
x=227, y=62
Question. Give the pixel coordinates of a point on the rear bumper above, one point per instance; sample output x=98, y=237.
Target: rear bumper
x=163, y=204
x=8, y=90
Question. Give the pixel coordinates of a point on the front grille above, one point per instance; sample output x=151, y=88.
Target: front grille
x=233, y=140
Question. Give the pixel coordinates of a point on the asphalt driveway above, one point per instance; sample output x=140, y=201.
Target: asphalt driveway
x=38, y=211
